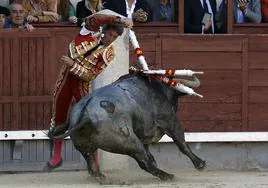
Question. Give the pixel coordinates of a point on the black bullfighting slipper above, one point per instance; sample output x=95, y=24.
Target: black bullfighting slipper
x=49, y=167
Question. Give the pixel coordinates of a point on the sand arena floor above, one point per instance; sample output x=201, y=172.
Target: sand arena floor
x=184, y=178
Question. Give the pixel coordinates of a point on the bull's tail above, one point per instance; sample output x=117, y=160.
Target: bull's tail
x=79, y=123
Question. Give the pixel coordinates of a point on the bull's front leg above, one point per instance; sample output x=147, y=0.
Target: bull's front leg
x=184, y=148
x=178, y=137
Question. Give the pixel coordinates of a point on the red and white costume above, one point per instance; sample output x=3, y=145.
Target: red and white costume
x=90, y=59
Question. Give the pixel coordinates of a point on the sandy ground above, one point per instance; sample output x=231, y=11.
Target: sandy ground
x=184, y=178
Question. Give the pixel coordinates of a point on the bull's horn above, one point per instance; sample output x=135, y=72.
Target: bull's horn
x=190, y=83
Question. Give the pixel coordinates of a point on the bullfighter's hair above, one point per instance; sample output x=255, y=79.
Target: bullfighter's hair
x=119, y=28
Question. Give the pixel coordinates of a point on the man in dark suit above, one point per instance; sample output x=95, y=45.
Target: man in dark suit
x=194, y=12
x=139, y=11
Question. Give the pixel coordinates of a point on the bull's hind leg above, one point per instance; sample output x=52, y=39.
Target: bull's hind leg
x=178, y=137
x=92, y=164
x=90, y=156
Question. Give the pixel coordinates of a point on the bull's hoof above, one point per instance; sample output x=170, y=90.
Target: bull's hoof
x=201, y=165
x=102, y=179
x=167, y=177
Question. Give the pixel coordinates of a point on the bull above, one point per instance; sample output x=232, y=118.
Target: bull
x=125, y=117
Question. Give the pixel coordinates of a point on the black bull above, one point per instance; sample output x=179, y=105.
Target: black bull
x=125, y=117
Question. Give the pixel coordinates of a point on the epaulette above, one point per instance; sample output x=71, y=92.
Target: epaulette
x=81, y=45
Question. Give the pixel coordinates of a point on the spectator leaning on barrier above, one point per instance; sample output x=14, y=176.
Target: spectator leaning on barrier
x=163, y=11
x=4, y=12
x=41, y=11
x=264, y=10
x=86, y=8
x=137, y=10
x=17, y=18
x=247, y=11
x=221, y=17
x=66, y=11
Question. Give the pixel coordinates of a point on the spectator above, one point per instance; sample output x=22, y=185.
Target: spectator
x=86, y=8
x=264, y=10
x=41, y=11
x=195, y=20
x=17, y=18
x=221, y=17
x=137, y=10
x=247, y=11
x=163, y=11
x=15, y=1
x=66, y=11
x=4, y=12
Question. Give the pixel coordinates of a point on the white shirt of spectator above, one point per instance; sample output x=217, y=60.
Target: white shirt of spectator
x=209, y=11
x=130, y=10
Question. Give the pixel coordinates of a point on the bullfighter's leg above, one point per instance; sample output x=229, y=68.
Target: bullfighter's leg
x=178, y=137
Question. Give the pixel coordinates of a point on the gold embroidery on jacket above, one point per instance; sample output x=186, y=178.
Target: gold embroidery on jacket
x=81, y=49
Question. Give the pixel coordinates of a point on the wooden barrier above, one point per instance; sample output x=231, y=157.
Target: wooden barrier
x=234, y=83
x=28, y=70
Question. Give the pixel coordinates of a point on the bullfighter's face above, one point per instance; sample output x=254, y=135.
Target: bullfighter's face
x=109, y=36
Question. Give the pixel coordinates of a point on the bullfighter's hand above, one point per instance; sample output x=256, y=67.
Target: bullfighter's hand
x=67, y=60
x=128, y=23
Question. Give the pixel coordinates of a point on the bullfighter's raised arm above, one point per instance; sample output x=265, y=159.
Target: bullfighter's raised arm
x=95, y=21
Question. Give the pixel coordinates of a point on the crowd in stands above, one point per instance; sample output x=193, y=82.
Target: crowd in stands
x=215, y=21
x=200, y=16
